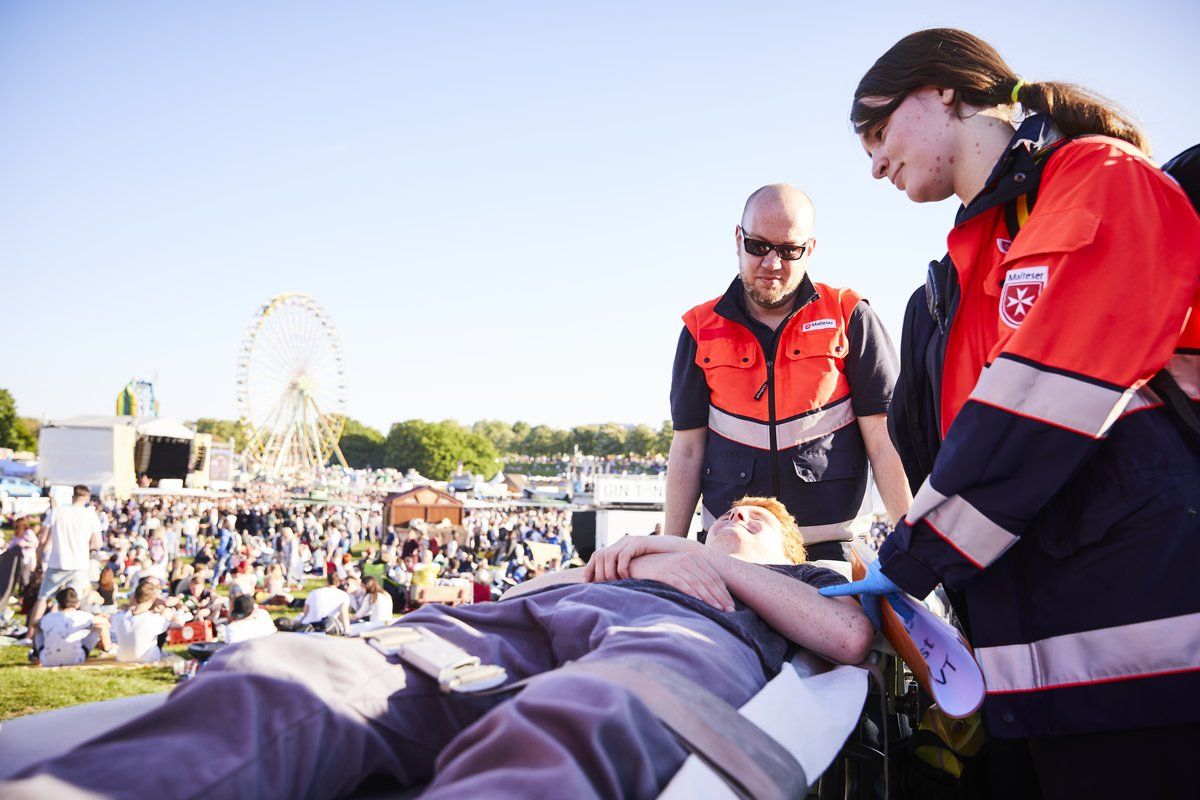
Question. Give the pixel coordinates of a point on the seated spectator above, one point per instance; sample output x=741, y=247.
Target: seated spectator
x=375, y=610
x=426, y=572
x=67, y=635
x=142, y=569
x=246, y=621
x=107, y=587
x=325, y=609
x=244, y=581
x=200, y=601
x=204, y=557
x=141, y=629
x=482, y=586
x=276, y=589
x=177, y=573
x=411, y=545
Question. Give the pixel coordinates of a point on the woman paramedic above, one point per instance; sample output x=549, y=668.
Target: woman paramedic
x=1061, y=490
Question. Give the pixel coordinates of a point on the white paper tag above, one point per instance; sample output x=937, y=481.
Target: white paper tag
x=955, y=680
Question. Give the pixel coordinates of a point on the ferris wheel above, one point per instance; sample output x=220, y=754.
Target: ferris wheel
x=291, y=389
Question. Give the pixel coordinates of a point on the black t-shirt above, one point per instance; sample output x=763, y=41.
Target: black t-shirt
x=770, y=645
x=743, y=622
x=870, y=364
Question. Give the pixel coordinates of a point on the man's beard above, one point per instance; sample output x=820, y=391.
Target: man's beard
x=771, y=300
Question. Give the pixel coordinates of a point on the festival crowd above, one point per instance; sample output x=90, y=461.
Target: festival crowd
x=124, y=578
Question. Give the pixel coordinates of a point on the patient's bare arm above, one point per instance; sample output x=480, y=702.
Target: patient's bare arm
x=545, y=580
x=834, y=628
x=838, y=630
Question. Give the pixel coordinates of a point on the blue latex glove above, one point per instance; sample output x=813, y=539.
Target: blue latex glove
x=870, y=589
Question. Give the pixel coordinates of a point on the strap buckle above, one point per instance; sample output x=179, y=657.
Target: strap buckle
x=452, y=667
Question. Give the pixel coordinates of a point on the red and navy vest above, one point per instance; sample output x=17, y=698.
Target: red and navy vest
x=780, y=424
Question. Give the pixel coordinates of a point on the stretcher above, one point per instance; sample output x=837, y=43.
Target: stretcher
x=798, y=724
x=810, y=708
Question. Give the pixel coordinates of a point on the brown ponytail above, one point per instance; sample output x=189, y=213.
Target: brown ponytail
x=953, y=59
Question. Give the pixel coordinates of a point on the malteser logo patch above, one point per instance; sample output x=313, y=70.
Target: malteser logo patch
x=818, y=325
x=1022, y=287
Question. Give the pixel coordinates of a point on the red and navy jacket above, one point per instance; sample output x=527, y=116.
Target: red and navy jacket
x=779, y=407
x=1062, y=496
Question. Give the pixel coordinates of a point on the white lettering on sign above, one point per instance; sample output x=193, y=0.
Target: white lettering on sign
x=630, y=489
x=818, y=325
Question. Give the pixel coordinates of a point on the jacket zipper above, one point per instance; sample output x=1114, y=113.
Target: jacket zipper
x=770, y=384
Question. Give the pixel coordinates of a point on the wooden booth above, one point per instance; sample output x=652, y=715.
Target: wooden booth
x=424, y=503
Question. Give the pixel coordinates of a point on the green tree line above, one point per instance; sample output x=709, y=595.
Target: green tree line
x=16, y=432
x=436, y=448
x=433, y=448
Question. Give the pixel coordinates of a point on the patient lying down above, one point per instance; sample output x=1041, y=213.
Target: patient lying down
x=300, y=715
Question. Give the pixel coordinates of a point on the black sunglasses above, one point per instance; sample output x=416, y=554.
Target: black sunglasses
x=787, y=252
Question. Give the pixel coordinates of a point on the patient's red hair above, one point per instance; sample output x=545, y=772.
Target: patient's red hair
x=793, y=540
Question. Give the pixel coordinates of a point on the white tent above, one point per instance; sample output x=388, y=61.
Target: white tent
x=165, y=429
x=94, y=451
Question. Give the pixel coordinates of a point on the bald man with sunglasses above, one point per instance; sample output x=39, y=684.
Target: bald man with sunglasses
x=781, y=388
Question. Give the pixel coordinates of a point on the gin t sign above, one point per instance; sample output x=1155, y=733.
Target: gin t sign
x=630, y=490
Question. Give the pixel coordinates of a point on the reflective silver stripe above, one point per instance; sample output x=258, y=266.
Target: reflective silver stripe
x=1145, y=398
x=789, y=434
x=1185, y=369
x=1050, y=397
x=742, y=431
x=836, y=531
x=815, y=425
x=1140, y=650
x=973, y=535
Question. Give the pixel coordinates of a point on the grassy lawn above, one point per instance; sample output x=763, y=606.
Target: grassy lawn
x=26, y=689
x=31, y=689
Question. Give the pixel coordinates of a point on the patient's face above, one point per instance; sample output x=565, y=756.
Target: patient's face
x=749, y=533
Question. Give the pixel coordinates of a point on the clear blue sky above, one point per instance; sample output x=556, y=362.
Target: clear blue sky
x=504, y=207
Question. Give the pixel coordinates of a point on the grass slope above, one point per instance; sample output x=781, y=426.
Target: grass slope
x=26, y=689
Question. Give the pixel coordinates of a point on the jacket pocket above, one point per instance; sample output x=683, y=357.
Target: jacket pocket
x=714, y=353
x=821, y=342
x=1054, y=232
x=1079, y=519
x=733, y=470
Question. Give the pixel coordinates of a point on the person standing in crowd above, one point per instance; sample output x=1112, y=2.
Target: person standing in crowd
x=1044, y=403
x=191, y=529
x=781, y=388
x=226, y=539
x=74, y=532
x=25, y=542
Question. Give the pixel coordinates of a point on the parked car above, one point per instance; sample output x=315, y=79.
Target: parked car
x=18, y=487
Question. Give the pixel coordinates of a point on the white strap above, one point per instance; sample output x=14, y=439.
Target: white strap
x=453, y=668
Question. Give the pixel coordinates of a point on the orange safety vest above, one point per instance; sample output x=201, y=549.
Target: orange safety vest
x=780, y=424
